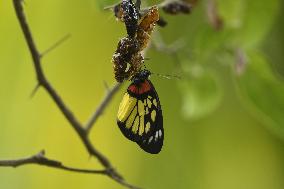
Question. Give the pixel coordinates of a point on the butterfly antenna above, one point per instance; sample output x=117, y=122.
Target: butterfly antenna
x=167, y=76
x=110, y=7
x=146, y=58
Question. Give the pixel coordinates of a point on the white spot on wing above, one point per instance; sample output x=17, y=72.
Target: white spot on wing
x=145, y=102
x=157, y=135
x=147, y=111
x=150, y=139
x=160, y=133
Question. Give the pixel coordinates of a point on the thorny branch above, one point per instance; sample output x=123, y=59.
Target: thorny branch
x=40, y=159
x=82, y=131
x=102, y=106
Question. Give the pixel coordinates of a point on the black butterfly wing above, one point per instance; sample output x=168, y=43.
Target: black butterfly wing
x=140, y=119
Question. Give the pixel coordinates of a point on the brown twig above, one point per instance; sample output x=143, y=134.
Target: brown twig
x=42, y=81
x=102, y=106
x=41, y=159
x=76, y=125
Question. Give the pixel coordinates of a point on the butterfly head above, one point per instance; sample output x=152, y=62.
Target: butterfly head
x=141, y=76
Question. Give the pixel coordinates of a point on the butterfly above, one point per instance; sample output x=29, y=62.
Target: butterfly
x=140, y=116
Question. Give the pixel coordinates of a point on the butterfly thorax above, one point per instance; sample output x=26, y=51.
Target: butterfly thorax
x=141, y=76
x=140, y=84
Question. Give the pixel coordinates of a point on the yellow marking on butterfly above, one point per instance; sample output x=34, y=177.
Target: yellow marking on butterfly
x=149, y=103
x=141, y=110
x=147, y=111
x=141, y=126
x=135, y=125
x=145, y=102
x=147, y=128
x=125, y=107
x=155, y=102
x=153, y=115
x=131, y=118
x=149, y=97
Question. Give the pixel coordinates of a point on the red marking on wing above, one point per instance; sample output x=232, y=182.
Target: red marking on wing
x=140, y=89
x=145, y=87
x=133, y=88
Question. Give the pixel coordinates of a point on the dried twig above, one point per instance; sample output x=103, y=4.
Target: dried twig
x=102, y=106
x=41, y=159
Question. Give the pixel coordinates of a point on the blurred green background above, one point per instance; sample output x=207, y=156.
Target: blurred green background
x=224, y=127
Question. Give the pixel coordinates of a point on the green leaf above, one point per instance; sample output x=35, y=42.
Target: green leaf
x=263, y=92
x=201, y=93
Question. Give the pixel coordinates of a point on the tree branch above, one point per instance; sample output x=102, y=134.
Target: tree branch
x=102, y=106
x=76, y=125
x=40, y=159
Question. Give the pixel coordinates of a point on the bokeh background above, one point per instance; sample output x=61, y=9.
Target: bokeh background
x=223, y=120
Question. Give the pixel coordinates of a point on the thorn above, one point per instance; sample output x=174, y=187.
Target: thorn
x=55, y=45
x=34, y=90
x=39, y=155
x=106, y=86
x=42, y=153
